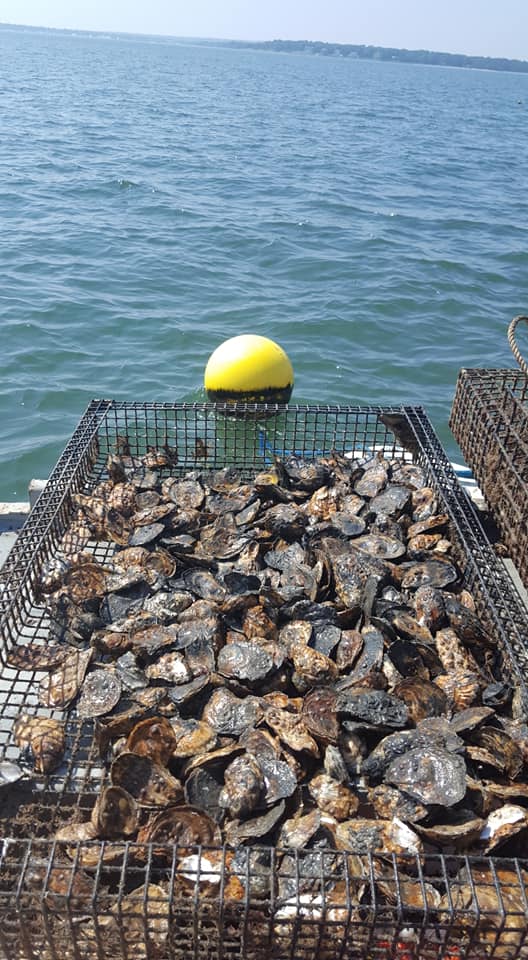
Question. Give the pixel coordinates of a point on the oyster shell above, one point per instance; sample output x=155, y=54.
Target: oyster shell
x=247, y=662
x=373, y=706
x=100, y=693
x=430, y=775
x=193, y=738
x=148, y=783
x=333, y=798
x=375, y=836
x=237, y=832
x=45, y=739
x=319, y=714
x=229, y=715
x=423, y=699
x=36, y=656
x=9, y=773
x=297, y=832
x=390, y=802
x=291, y=730
x=352, y=571
x=182, y=826
x=59, y=688
x=244, y=787
x=115, y=814
x=153, y=738
x=429, y=573
x=503, y=824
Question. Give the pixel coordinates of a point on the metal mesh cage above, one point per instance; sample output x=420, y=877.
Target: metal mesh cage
x=489, y=420
x=104, y=899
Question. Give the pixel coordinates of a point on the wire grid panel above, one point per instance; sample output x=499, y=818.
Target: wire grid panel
x=489, y=420
x=257, y=904
x=248, y=438
x=206, y=922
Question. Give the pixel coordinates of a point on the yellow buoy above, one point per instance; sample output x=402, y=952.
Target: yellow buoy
x=249, y=368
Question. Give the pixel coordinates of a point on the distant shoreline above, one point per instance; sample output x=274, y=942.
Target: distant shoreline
x=352, y=51
x=364, y=52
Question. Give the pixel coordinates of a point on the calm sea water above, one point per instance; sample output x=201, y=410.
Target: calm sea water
x=158, y=197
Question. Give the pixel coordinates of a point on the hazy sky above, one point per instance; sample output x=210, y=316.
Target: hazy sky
x=486, y=27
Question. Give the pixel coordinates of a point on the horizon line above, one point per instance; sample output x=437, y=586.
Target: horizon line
x=172, y=36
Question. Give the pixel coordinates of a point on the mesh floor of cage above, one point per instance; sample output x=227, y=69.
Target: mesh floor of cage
x=206, y=438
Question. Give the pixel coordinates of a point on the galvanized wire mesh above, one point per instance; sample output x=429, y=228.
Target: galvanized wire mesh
x=489, y=420
x=271, y=903
x=121, y=900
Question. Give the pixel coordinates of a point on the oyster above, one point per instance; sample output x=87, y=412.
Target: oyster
x=35, y=656
x=181, y=826
x=496, y=749
x=333, y=798
x=244, y=787
x=379, y=545
x=370, y=658
x=373, y=480
x=373, y=706
x=229, y=715
x=115, y=814
x=312, y=667
x=169, y=667
x=495, y=899
x=375, y=836
x=44, y=738
x=430, y=775
x=423, y=699
x=397, y=744
x=392, y=502
x=279, y=779
x=410, y=895
x=153, y=738
x=237, y=832
x=59, y=688
x=143, y=916
x=429, y=573
x=390, y=802
x=291, y=730
x=351, y=573
x=429, y=605
x=503, y=824
x=150, y=784
x=246, y=662
x=60, y=884
x=461, y=831
x=193, y=738
x=203, y=787
x=298, y=831
x=267, y=659
x=319, y=714
x=100, y=693
x=461, y=687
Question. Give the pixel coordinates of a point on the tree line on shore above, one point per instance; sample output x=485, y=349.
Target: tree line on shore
x=365, y=52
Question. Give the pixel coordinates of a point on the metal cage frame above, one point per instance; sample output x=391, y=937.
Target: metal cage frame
x=277, y=904
x=489, y=420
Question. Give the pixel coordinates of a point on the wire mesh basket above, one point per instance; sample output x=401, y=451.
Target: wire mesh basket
x=123, y=899
x=489, y=420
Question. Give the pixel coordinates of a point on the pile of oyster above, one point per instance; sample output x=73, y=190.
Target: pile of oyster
x=292, y=660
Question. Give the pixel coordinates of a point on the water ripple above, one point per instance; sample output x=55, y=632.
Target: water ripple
x=159, y=198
